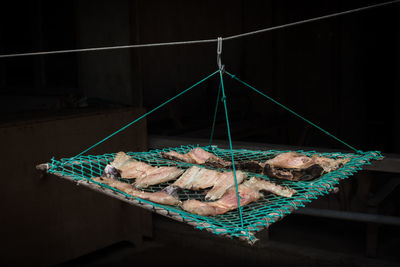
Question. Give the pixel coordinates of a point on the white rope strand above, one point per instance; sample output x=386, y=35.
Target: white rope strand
x=108, y=48
x=309, y=20
x=199, y=41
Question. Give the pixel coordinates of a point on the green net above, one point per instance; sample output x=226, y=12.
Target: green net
x=256, y=216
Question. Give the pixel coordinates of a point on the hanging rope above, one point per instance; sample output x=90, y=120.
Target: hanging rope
x=291, y=111
x=148, y=113
x=215, y=115
x=200, y=41
x=309, y=20
x=231, y=152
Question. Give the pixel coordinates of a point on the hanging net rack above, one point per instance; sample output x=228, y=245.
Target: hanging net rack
x=254, y=216
x=245, y=221
x=242, y=223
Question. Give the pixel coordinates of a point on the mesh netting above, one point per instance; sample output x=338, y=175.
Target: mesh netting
x=256, y=216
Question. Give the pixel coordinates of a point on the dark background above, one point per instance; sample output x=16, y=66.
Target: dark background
x=340, y=73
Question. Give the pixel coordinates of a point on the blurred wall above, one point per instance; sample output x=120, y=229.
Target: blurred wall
x=46, y=221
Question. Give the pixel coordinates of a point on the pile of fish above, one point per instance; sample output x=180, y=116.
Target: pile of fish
x=291, y=166
x=221, y=196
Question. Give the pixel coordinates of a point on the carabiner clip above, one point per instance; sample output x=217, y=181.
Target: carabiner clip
x=219, y=52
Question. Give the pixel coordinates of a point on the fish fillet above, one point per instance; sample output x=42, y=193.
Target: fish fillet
x=167, y=197
x=289, y=160
x=144, y=174
x=294, y=166
x=195, y=156
x=293, y=160
x=225, y=181
x=196, y=178
x=249, y=192
x=158, y=176
x=128, y=167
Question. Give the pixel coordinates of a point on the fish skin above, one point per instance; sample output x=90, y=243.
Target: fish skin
x=201, y=208
x=226, y=203
x=135, y=169
x=195, y=156
x=249, y=191
x=158, y=176
x=161, y=197
x=329, y=164
x=188, y=177
x=196, y=178
x=172, y=155
x=120, y=159
x=157, y=197
x=208, y=179
x=145, y=174
x=200, y=156
x=289, y=160
x=264, y=185
x=225, y=181
x=128, y=167
x=294, y=166
x=124, y=187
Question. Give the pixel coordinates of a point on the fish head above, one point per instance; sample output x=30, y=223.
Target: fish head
x=111, y=172
x=171, y=190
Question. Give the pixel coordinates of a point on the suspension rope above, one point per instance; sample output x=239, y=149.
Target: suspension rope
x=309, y=20
x=231, y=150
x=293, y=112
x=148, y=113
x=215, y=115
x=110, y=48
x=232, y=37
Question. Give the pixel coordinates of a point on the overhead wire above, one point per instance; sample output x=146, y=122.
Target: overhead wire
x=213, y=40
x=308, y=20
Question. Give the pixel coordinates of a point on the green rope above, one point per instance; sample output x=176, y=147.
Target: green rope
x=151, y=111
x=293, y=112
x=231, y=151
x=215, y=115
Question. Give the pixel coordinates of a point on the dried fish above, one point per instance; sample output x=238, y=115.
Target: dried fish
x=225, y=181
x=126, y=167
x=166, y=196
x=196, y=178
x=294, y=166
x=195, y=156
x=158, y=176
x=249, y=191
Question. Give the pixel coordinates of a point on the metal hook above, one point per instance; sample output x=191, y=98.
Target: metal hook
x=219, y=52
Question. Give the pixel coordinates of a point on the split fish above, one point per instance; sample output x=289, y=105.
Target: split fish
x=167, y=196
x=196, y=178
x=249, y=191
x=294, y=166
x=195, y=156
x=123, y=166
